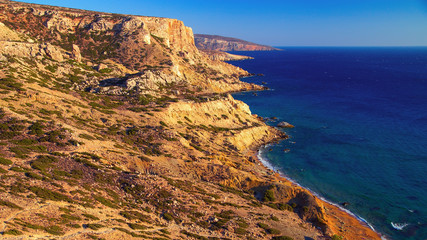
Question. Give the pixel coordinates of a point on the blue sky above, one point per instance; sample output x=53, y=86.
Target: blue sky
x=286, y=22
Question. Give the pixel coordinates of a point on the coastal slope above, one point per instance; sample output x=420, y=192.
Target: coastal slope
x=118, y=127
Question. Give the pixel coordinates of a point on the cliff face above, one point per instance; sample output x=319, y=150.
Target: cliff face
x=115, y=127
x=219, y=43
x=138, y=43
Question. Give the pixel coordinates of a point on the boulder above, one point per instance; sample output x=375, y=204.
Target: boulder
x=101, y=66
x=53, y=52
x=2, y=58
x=285, y=125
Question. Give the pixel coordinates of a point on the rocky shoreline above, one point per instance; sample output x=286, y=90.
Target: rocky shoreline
x=340, y=218
x=339, y=221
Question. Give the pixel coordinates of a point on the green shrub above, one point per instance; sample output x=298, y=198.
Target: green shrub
x=282, y=238
x=86, y=136
x=282, y=206
x=242, y=223
x=19, y=169
x=43, y=162
x=137, y=226
x=134, y=215
x=240, y=231
x=269, y=196
x=54, y=230
x=90, y=216
x=193, y=235
x=70, y=217
x=337, y=237
x=22, y=151
x=263, y=225
x=203, y=224
x=10, y=84
x=9, y=204
x=105, y=70
x=49, y=194
x=25, y=142
x=272, y=231
x=268, y=229
x=30, y=225
x=5, y=161
x=51, y=68
x=168, y=217
x=105, y=201
x=14, y=232
x=94, y=226
x=36, y=129
x=34, y=175
x=75, y=225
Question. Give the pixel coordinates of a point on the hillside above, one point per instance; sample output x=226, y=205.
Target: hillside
x=220, y=43
x=118, y=127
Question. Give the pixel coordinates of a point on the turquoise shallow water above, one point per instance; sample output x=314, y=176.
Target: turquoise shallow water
x=361, y=128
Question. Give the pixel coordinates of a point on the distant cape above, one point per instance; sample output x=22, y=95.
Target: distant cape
x=220, y=43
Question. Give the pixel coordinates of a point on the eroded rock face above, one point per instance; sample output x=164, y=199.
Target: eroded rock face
x=53, y=52
x=147, y=82
x=23, y=49
x=76, y=55
x=6, y=34
x=58, y=22
x=100, y=25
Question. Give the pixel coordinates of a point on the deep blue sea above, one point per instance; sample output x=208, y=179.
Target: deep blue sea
x=360, y=135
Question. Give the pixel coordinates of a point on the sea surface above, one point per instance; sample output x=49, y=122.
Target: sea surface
x=360, y=135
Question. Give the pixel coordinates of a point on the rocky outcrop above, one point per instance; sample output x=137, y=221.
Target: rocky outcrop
x=76, y=55
x=146, y=82
x=219, y=43
x=285, y=125
x=7, y=34
x=24, y=49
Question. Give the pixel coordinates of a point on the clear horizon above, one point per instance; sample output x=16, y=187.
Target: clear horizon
x=309, y=23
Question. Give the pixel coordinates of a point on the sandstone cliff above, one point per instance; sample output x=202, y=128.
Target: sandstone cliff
x=138, y=43
x=219, y=43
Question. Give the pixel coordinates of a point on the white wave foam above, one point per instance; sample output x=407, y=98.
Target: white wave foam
x=399, y=226
x=266, y=163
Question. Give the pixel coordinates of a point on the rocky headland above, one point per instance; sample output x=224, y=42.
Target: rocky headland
x=220, y=43
x=118, y=127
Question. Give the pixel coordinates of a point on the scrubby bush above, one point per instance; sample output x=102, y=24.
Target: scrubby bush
x=282, y=238
x=14, y=232
x=5, y=161
x=269, y=196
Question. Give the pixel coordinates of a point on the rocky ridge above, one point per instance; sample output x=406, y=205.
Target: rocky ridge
x=116, y=126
